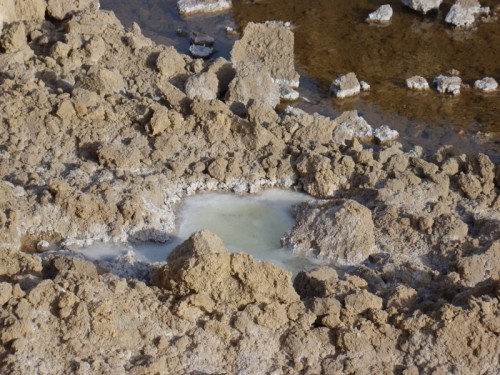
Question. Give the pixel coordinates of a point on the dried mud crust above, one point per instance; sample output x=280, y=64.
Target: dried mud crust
x=98, y=141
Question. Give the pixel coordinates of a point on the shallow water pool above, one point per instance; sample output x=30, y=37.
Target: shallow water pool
x=250, y=223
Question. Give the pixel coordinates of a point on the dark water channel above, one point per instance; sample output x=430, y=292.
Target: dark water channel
x=331, y=38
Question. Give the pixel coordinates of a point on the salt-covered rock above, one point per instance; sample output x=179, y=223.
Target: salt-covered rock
x=382, y=15
x=487, y=84
x=464, y=12
x=288, y=93
x=336, y=231
x=345, y=85
x=417, y=83
x=350, y=126
x=422, y=6
x=447, y=84
x=203, y=86
x=187, y=7
x=385, y=134
x=365, y=86
x=42, y=246
x=272, y=45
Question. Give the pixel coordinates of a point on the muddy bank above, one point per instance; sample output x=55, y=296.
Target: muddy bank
x=101, y=137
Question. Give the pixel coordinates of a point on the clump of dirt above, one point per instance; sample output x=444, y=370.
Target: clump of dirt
x=102, y=132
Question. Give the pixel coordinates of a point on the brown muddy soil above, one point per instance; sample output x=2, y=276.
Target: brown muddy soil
x=332, y=37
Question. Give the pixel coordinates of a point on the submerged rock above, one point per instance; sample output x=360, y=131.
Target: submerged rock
x=187, y=7
x=336, y=231
x=382, y=15
x=345, y=85
x=448, y=84
x=272, y=45
x=417, y=83
x=422, y=6
x=464, y=12
x=200, y=51
x=487, y=84
x=201, y=39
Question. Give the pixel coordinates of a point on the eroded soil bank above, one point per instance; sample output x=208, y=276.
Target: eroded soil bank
x=103, y=131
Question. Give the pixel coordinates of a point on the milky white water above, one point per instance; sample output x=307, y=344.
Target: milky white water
x=249, y=223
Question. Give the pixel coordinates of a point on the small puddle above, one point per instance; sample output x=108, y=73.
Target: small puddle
x=250, y=223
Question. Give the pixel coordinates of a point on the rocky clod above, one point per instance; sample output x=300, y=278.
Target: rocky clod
x=382, y=15
x=417, y=83
x=203, y=265
x=252, y=81
x=102, y=81
x=423, y=6
x=464, y=12
x=342, y=231
x=170, y=62
x=448, y=84
x=487, y=84
x=345, y=85
x=272, y=45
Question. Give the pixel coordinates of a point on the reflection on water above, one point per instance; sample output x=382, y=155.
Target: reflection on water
x=331, y=37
